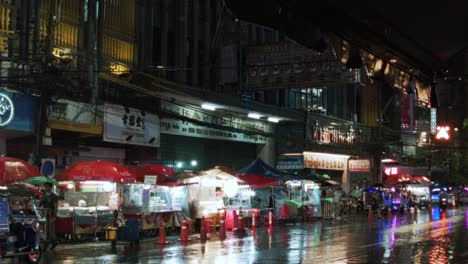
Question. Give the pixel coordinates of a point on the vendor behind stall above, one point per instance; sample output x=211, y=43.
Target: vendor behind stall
x=49, y=202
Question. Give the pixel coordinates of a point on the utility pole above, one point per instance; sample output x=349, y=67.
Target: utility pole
x=45, y=68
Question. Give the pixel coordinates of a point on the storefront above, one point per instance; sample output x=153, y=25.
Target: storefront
x=81, y=132
x=333, y=165
x=359, y=172
x=192, y=139
x=17, y=119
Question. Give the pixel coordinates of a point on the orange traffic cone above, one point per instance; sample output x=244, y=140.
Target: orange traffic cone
x=162, y=234
x=254, y=225
x=370, y=214
x=389, y=212
x=184, y=232
x=270, y=222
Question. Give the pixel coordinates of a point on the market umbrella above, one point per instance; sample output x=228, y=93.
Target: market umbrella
x=141, y=171
x=13, y=170
x=41, y=180
x=97, y=171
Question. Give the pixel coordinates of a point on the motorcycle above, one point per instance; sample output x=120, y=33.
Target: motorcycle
x=20, y=224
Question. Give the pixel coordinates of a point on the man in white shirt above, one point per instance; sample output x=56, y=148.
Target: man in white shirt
x=337, y=202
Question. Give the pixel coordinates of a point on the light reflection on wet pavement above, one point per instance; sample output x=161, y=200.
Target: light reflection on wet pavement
x=425, y=238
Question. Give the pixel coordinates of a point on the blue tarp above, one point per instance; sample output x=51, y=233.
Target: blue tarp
x=260, y=168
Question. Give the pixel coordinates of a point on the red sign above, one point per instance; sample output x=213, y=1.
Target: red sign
x=391, y=171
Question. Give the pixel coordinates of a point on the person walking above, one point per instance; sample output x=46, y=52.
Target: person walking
x=337, y=195
x=49, y=202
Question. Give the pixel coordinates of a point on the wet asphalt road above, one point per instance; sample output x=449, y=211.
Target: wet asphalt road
x=425, y=238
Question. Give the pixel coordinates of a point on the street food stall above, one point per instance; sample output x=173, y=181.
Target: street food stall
x=306, y=194
x=215, y=189
x=152, y=201
x=92, y=193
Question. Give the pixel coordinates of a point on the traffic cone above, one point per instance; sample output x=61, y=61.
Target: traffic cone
x=270, y=222
x=370, y=214
x=254, y=225
x=162, y=234
x=203, y=229
x=389, y=212
x=240, y=223
x=184, y=232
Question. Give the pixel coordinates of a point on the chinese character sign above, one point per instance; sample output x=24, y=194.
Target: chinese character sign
x=130, y=126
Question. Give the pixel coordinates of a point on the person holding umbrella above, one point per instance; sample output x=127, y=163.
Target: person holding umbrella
x=49, y=202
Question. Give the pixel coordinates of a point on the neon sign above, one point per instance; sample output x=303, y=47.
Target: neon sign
x=7, y=110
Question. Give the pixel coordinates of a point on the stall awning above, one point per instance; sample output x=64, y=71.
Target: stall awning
x=399, y=179
x=256, y=181
x=141, y=171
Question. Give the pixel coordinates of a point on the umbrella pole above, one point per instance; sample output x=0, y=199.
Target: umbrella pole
x=96, y=214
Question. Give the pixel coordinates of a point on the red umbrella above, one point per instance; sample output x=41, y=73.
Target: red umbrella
x=160, y=168
x=12, y=170
x=141, y=171
x=256, y=181
x=97, y=171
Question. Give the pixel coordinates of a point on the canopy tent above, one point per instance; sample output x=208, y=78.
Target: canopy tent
x=15, y=170
x=163, y=170
x=259, y=175
x=97, y=171
x=260, y=168
x=141, y=171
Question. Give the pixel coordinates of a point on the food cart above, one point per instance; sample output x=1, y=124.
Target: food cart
x=216, y=189
x=92, y=194
x=306, y=194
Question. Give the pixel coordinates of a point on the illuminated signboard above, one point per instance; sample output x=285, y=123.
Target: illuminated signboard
x=391, y=171
x=325, y=161
x=359, y=165
x=7, y=110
